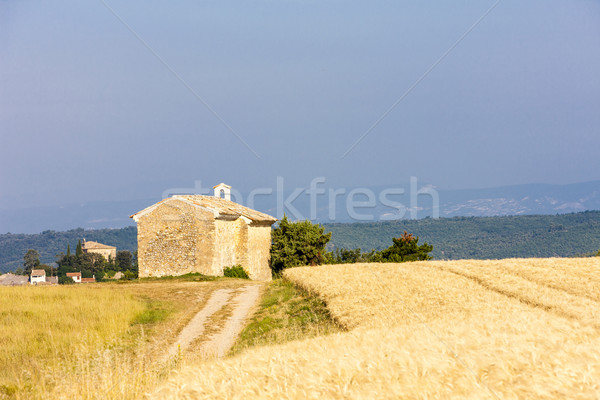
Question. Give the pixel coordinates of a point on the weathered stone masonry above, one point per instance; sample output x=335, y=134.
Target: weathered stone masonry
x=205, y=234
x=104, y=250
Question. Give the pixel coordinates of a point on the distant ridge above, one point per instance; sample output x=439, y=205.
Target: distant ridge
x=529, y=199
x=562, y=235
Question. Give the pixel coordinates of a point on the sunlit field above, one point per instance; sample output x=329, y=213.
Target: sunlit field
x=508, y=329
x=99, y=341
x=47, y=331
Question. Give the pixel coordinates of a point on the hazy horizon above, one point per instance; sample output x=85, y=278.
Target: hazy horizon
x=109, y=101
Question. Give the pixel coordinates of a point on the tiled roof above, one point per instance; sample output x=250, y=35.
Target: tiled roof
x=88, y=280
x=95, y=245
x=218, y=205
x=70, y=274
x=38, y=272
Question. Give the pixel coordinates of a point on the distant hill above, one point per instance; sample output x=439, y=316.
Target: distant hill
x=51, y=243
x=562, y=235
x=456, y=238
x=530, y=199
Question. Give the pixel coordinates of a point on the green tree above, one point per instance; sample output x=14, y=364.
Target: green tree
x=31, y=261
x=297, y=243
x=129, y=275
x=134, y=266
x=48, y=268
x=123, y=260
x=68, y=250
x=65, y=264
x=99, y=276
x=90, y=263
x=346, y=256
x=78, y=249
x=406, y=248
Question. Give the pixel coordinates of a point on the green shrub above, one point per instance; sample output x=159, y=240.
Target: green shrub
x=129, y=275
x=296, y=244
x=65, y=280
x=406, y=248
x=235, y=271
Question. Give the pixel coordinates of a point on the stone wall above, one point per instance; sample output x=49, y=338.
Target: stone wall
x=175, y=239
x=230, y=244
x=259, y=252
x=106, y=253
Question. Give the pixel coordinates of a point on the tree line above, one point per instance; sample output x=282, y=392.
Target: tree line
x=88, y=263
x=563, y=235
x=304, y=243
x=50, y=243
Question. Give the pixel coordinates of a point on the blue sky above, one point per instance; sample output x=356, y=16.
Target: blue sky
x=88, y=112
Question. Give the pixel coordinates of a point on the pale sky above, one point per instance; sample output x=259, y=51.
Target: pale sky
x=87, y=111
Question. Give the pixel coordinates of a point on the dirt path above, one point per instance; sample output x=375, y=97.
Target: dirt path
x=220, y=342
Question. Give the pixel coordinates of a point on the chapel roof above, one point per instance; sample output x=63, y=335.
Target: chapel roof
x=218, y=205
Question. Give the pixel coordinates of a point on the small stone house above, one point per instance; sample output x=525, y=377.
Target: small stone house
x=205, y=234
x=37, y=276
x=76, y=276
x=99, y=248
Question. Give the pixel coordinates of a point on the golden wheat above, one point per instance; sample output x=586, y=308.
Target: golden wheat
x=468, y=329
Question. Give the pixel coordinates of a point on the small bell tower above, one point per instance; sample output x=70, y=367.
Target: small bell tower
x=223, y=191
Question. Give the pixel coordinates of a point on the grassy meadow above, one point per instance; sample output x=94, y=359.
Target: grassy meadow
x=94, y=341
x=47, y=330
x=507, y=329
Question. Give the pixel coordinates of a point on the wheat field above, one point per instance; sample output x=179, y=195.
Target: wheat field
x=505, y=329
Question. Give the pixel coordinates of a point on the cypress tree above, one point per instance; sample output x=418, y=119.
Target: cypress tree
x=68, y=250
x=78, y=250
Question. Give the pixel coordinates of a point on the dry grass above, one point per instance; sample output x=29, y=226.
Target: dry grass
x=285, y=313
x=103, y=341
x=50, y=329
x=465, y=329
